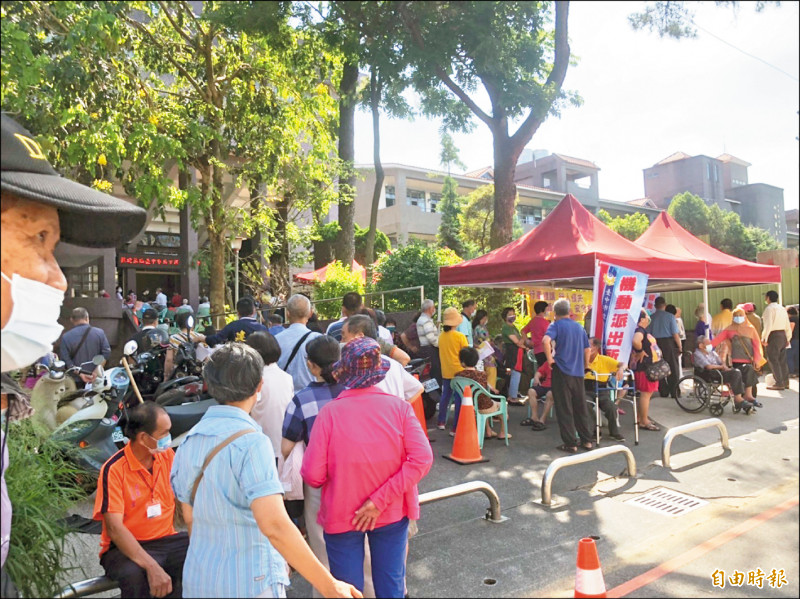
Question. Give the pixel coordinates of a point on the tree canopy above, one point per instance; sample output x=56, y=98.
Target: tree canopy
x=630, y=226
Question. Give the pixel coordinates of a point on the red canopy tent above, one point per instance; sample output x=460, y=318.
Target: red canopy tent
x=667, y=236
x=562, y=251
x=319, y=275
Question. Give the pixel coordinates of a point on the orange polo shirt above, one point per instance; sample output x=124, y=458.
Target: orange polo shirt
x=126, y=487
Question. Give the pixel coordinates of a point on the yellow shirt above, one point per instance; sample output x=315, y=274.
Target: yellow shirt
x=450, y=343
x=602, y=365
x=721, y=321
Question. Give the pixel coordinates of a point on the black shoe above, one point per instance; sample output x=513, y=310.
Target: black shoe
x=618, y=437
x=755, y=403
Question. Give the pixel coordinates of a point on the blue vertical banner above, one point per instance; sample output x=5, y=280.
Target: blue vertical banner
x=621, y=293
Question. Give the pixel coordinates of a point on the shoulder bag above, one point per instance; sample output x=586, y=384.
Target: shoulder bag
x=211, y=456
x=295, y=350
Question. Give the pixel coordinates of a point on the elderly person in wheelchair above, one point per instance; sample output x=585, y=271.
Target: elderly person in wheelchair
x=709, y=366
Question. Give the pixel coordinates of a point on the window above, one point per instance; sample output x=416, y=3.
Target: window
x=716, y=172
x=708, y=171
x=546, y=182
x=84, y=281
x=389, y=191
x=416, y=198
x=435, y=198
x=530, y=215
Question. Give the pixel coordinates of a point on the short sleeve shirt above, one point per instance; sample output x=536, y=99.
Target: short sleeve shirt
x=507, y=330
x=604, y=366
x=571, y=341
x=304, y=408
x=126, y=487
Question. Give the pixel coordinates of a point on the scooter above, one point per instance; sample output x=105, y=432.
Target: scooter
x=421, y=369
x=48, y=391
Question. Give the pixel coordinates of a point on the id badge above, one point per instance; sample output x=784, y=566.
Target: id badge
x=153, y=510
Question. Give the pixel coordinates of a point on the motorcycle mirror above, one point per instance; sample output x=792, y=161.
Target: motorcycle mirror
x=59, y=365
x=190, y=322
x=98, y=360
x=130, y=348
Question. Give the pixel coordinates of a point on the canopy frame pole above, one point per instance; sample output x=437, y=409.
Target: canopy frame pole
x=780, y=293
x=706, y=307
x=440, y=303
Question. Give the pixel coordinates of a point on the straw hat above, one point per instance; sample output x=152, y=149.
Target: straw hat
x=451, y=317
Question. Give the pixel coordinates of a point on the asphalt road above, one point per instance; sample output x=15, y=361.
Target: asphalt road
x=749, y=519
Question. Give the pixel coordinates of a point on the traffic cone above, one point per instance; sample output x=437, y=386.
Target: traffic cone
x=465, y=444
x=419, y=412
x=588, y=576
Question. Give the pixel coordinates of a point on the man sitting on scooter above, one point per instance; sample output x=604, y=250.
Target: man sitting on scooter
x=139, y=546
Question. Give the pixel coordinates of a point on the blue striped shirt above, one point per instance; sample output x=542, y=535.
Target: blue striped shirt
x=228, y=555
x=304, y=408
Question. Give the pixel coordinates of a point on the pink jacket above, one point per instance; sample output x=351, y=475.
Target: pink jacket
x=366, y=444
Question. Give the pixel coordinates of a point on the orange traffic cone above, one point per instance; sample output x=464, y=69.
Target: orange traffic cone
x=588, y=576
x=465, y=444
x=419, y=412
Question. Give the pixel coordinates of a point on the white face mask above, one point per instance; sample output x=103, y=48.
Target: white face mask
x=33, y=326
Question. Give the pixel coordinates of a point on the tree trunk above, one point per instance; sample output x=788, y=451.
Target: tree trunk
x=345, y=248
x=323, y=253
x=281, y=285
x=375, y=99
x=505, y=190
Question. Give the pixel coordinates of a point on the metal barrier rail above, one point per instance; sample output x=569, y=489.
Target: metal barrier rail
x=666, y=444
x=571, y=460
x=83, y=588
x=463, y=489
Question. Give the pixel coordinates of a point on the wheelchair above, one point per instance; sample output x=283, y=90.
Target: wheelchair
x=703, y=389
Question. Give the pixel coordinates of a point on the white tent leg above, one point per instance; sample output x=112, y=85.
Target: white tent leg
x=780, y=293
x=705, y=302
x=440, y=303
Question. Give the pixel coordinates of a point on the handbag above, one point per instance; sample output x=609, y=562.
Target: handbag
x=289, y=473
x=657, y=370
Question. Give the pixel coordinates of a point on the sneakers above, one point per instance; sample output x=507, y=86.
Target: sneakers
x=441, y=427
x=618, y=437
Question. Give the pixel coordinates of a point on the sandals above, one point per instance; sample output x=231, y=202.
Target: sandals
x=527, y=422
x=499, y=438
x=649, y=427
x=538, y=426
x=567, y=448
x=587, y=446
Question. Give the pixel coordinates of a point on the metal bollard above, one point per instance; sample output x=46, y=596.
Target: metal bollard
x=669, y=437
x=571, y=460
x=463, y=489
x=83, y=588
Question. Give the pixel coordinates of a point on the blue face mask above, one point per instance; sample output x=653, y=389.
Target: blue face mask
x=390, y=329
x=738, y=319
x=162, y=444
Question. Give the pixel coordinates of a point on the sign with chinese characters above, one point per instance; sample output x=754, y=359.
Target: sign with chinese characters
x=579, y=300
x=650, y=302
x=619, y=294
x=149, y=262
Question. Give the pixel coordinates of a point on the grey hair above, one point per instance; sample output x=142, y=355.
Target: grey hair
x=233, y=372
x=79, y=313
x=561, y=307
x=298, y=306
x=426, y=304
x=701, y=339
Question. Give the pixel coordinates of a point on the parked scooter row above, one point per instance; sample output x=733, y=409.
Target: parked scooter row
x=421, y=369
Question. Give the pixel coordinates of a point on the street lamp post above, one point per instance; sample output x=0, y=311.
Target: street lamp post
x=236, y=245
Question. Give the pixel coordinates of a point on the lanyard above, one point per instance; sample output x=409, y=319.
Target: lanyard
x=155, y=482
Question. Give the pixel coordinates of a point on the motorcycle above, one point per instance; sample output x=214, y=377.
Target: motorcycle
x=49, y=390
x=421, y=369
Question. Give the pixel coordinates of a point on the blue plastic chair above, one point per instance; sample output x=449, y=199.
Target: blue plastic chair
x=458, y=383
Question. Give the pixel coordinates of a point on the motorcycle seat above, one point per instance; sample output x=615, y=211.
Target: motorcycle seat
x=185, y=416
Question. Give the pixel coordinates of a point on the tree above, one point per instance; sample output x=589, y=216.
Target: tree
x=448, y=155
x=450, y=208
x=631, y=226
x=508, y=49
x=381, y=244
x=673, y=18
x=339, y=279
x=691, y=212
x=476, y=222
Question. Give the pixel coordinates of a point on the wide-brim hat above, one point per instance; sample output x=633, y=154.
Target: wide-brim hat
x=451, y=317
x=361, y=364
x=87, y=217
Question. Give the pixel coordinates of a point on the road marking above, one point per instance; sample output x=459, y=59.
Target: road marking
x=678, y=562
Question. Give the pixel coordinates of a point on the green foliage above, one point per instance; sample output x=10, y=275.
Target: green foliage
x=450, y=208
x=448, y=155
x=42, y=486
x=675, y=20
x=723, y=228
x=409, y=266
x=631, y=226
x=476, y=220
x=382, y=244
x=339, y=280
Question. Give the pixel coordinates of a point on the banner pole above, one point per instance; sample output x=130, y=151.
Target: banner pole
x=706, y=307
x=440, y=303
x=594, y=299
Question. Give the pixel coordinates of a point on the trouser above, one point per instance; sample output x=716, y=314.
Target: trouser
x=444, y=401
x=432, y=353
x=607, y=407
x=528, y=372
x=513, y=384
x=732, y=378
x=749, y=376
x=669, y=351
x=316, y=538
x=388, y=547
x=169, y=552
x=8, y=590
x=571, y=411
x=792, y=357
x=776, y=356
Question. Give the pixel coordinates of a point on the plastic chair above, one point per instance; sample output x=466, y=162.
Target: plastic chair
x=203, y=319
x=458, y=383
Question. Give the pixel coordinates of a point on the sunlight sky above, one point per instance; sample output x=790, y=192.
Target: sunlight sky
x=646, y=97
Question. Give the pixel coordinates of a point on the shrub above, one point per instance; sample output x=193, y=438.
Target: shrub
x=339, y=280
x=42, y=486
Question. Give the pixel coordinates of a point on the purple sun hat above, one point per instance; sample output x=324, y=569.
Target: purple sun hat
x=361, y=364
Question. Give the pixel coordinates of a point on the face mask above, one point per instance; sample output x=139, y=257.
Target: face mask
x=706, y=349
x=33, y=326
x=162, y=444
x=511, y=318
x=390, y=329
x=738, y=319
